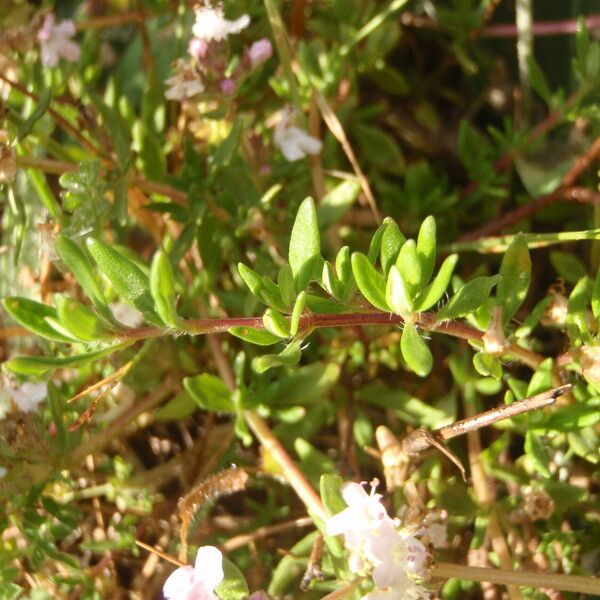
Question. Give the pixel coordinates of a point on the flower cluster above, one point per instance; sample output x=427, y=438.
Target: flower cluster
x=209, y=65
x=378, y=546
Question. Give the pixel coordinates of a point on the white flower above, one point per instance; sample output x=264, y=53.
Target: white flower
x=55, y=42
x=211, y=24
x=28, y=395
x=186, y=83
x=294, y=143
x=197, y=582
x=377, y=545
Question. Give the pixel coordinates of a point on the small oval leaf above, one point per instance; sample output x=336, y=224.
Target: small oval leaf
x=435, y=290
x=415, y=351
x=260, y=337
x=396, y=293
x=426, y=247
x=209, y=392
x=468, y=298
x=162, y=288
x=33, y=316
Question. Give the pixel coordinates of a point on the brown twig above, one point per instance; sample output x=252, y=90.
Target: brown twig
x=565, y=191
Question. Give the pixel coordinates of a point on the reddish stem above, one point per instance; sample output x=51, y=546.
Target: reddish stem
x=563, y=27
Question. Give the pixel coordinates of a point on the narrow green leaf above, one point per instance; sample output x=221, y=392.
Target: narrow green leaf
x=375, y=245
x=252, y=279
x=335, y=203
x=305, y=244
x=391, y=242
x=162, y=288
x=224, y=153
x=38, y=365
x=396, y=293
x=330, y=487
x=285, y=283
x=516, y=276
x=410, y=266
x=79, y=320
x=260, y=337
x=596, y=297
x=537, y=453
x=77, y=261
x=33, y=316
x=468, y=298
x=415, y=351
x=209, y=392
x=426, y=249
x=435, y=290
x=36, y=115
x=129, y=281
x=568, y=265
x=290, y=356
x=330, y=281
x=370, y=283
x=179, y=407
x=297, y=312
x=276, y=323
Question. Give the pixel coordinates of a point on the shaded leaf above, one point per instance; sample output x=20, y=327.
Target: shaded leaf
x=209, y=392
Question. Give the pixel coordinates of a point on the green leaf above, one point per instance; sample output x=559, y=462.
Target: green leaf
x=375, y=245
x=487, y=365
x=224, y=153
x=297, y=313
x=516, y=276
x=179, y=407
x=330, y=281
x=335, y=203
x=435, y=290
x=79, y=320
x=233, y=586
x=252, y=279
x=568, y=266
x=209, y=392
x=391, y=242
x=426, y=249
x=537, y=453
x=260, y=337
x=396, y=294
x=162, y=288
x=415, y=351
x=36, y=115
x=285, y=283
x=290, y=356
x=596, y=297
x=305, y=244
x=468, y=298
x=38, y=365
x=330, y=487
x=276, y=323
x=573, y=417
x=410, y=266
x=313, y=462
x=370, y=283
x=305, y=386
x=34, y=316
x=129, y=281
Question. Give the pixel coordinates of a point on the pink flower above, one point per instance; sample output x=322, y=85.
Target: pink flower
x=197, y=582
x=227, y=86
x=211, y=24
x=260, y=52
x=198, y=48
x=55, y=43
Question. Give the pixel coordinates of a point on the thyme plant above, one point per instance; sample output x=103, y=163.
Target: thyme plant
x=259, y=255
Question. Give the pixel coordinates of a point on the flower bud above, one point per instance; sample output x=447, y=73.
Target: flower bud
x=260, y=52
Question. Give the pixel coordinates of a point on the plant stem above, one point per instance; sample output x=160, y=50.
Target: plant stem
x=499, y=244
x=567, y=583
x=308, y=322
x=291, y=472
